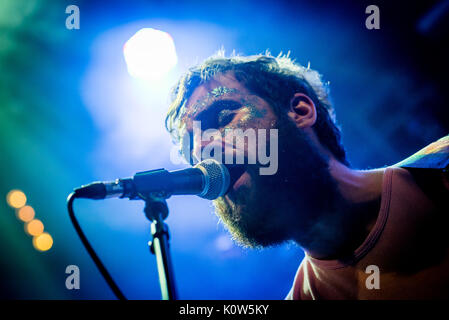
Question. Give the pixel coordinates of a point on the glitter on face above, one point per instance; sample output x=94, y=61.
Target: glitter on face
x=247, y=116
x=200, y=104
x=220, y=91
x=224, y=115
x=252, y=112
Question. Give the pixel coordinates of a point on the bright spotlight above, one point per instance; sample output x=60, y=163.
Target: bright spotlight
x=150, y=54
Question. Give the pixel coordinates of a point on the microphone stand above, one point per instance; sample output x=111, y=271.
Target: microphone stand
x=156, y=210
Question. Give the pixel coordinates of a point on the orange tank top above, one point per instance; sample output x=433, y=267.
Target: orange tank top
x=405, y=256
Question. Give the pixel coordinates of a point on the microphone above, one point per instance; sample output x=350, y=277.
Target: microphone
x=209, y=179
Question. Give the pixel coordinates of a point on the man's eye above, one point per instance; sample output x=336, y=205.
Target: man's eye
x=219, y=114
x=225, y=117
x=227, y=112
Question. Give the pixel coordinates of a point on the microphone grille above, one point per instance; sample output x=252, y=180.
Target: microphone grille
x=216, y=179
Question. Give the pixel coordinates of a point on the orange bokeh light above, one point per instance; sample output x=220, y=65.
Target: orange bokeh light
x=43, y=242
x=34, y=228
x=16, y=199
x=26, y=213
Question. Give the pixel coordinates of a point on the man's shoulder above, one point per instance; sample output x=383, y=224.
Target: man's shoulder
x=430, y=168
x=433, y=156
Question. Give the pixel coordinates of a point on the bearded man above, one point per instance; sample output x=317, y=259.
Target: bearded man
x=390, y=221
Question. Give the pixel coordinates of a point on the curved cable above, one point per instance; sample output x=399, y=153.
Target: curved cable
x=91, y=251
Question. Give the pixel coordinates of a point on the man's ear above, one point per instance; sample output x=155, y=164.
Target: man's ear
x=302, y=111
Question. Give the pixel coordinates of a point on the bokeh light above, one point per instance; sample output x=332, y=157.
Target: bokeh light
x=43, y=242
x=26, y=213
x=34, y=228
x=16, y=199
x=150, y=54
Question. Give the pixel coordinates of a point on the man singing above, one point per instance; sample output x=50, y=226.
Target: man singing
x=390, y=221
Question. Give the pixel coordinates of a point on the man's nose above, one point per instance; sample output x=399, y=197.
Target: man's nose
x=228, y=151
x=214, y=144
x=198, y=147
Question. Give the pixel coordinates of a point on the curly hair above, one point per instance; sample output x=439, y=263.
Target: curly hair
x=275, y=79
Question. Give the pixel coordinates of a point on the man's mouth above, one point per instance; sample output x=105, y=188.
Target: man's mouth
x=238, y=176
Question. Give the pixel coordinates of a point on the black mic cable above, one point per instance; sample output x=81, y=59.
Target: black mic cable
x=118, y=293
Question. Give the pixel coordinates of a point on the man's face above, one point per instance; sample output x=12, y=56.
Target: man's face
x=258, y=208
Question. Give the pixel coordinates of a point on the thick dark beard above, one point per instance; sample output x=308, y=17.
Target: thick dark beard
x=289, y=205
